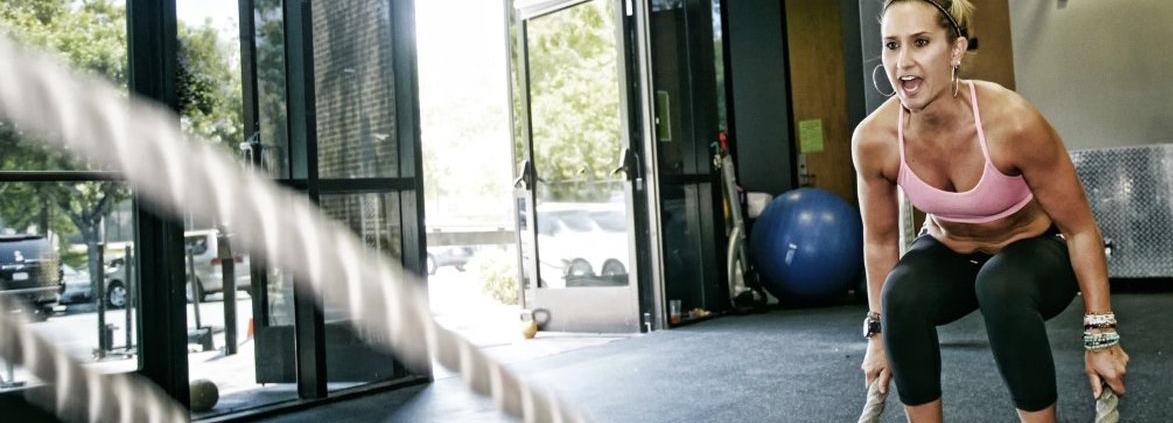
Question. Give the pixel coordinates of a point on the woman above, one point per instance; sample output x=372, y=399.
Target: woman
x=1008, y=227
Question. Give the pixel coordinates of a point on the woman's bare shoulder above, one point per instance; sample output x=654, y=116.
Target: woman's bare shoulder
x=1003, y=105
x=879, y=127
x=873, y=144
x=1016, y=131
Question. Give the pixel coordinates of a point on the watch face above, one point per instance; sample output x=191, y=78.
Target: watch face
x=870, y=327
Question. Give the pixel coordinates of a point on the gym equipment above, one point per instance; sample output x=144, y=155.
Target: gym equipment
x=874, y=407
x=808, y=246
x=745, y=291
x=204, y=395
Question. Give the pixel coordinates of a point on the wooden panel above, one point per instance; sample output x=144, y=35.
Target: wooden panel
x=994, y=58
x=815, y=40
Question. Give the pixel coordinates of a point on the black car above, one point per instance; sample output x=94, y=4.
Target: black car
x=30, y=272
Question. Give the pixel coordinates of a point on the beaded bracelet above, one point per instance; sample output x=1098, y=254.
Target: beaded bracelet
x=1099, y=320
x=1099, y=326
x=1099, y=341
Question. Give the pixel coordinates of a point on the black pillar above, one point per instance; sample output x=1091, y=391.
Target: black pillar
x=761, y=114
x=151, y=47
x=853, y=59
x=299, y=86
x=869, y=35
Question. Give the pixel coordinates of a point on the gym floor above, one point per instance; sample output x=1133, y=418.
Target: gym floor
x=792, y=365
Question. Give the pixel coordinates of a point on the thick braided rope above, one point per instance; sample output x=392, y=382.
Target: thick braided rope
x=95, y=120
x=874, y=407
x=1107, y=407
x=77, y=393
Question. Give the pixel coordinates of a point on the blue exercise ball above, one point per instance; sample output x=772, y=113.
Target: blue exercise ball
x=807, y=246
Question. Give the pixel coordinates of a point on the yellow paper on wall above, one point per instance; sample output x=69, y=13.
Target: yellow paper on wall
x=810, y=136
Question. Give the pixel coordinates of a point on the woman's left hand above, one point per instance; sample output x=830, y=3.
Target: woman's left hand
x=1106, y=366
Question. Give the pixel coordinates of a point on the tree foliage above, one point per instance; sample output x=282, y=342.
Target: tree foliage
x=209, y=89
x=91, y=36
x=270, y=68
x=574, y=102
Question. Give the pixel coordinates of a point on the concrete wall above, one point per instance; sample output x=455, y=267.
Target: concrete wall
x=1101, y=71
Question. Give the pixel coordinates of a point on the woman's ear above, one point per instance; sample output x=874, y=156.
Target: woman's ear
x=960, y=47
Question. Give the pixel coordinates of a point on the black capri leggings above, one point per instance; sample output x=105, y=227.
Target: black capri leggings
x=1017, y=290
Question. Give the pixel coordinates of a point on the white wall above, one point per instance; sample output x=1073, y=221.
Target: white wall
x=1100, y=70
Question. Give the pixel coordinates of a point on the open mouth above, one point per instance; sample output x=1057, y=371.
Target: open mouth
x=910, y=84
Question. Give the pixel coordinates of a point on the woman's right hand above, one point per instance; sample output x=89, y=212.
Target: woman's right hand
x=875, y=364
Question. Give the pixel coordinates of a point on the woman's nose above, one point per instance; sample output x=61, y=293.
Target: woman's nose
x=903, y=59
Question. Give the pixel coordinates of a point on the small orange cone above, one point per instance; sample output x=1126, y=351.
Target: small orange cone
x=250, y=328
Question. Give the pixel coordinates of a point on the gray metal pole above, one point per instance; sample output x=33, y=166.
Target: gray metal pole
x=128, y=271
x=228, y=270
x=196, y=290
x=100, y=297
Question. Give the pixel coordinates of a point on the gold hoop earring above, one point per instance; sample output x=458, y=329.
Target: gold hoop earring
x=877, y=84
x=956, y=80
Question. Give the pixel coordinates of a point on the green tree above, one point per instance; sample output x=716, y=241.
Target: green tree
x=91, y=36
x=209, y=89
x=574, y=106
x=270, y=68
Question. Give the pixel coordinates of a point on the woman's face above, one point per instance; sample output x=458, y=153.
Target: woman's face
x=917, y=54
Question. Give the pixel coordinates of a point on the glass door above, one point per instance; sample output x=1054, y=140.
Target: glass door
x=579, y=169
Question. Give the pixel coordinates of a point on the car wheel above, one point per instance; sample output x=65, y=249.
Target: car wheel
x=613, y=268
x=432, y=265
x=191, y=295
x=116, y=294
x=579, y=268
x=39, y=313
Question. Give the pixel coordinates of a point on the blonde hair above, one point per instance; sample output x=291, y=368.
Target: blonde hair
x=956, y=15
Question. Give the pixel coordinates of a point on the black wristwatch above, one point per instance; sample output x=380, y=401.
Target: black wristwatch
x=871, y=325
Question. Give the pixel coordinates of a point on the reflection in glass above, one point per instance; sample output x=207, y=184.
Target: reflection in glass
x=54, y=236
x=270, y=56
x=354, y=88
x=90, y=36
x=584, y=243
x=350, y=358
x=719, y=67
x=577, y=139
x=247, y=357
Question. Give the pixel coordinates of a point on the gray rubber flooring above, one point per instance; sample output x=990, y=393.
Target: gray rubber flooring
x=792, y=365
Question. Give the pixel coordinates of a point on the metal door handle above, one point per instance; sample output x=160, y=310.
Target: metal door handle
x=628, y=164
x=525, y=180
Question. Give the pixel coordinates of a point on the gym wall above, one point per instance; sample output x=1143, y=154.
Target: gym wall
x=1100, y=71
x=815, y=43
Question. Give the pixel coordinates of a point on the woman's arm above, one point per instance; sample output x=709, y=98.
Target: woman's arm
x=1040, y=155
x=1045, y=164
x=877, y=203
x=876, y=190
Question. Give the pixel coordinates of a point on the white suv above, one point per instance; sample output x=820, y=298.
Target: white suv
x=209, y=272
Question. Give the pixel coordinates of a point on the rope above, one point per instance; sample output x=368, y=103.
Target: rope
x=95, y=120
x=75, y=393
x=874, y=407
x=1107, y=407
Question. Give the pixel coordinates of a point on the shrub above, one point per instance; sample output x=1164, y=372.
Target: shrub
x=497, y=271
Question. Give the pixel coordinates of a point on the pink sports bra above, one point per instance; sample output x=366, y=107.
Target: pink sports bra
x=995, y=196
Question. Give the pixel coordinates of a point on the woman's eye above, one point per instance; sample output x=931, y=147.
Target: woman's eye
x=922, y=43
x=890, y=45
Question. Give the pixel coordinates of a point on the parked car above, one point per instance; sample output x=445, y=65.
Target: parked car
x=449, y=255
x=76, y=287
x=209, y=271
x=582, y=244
x=30, y=271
